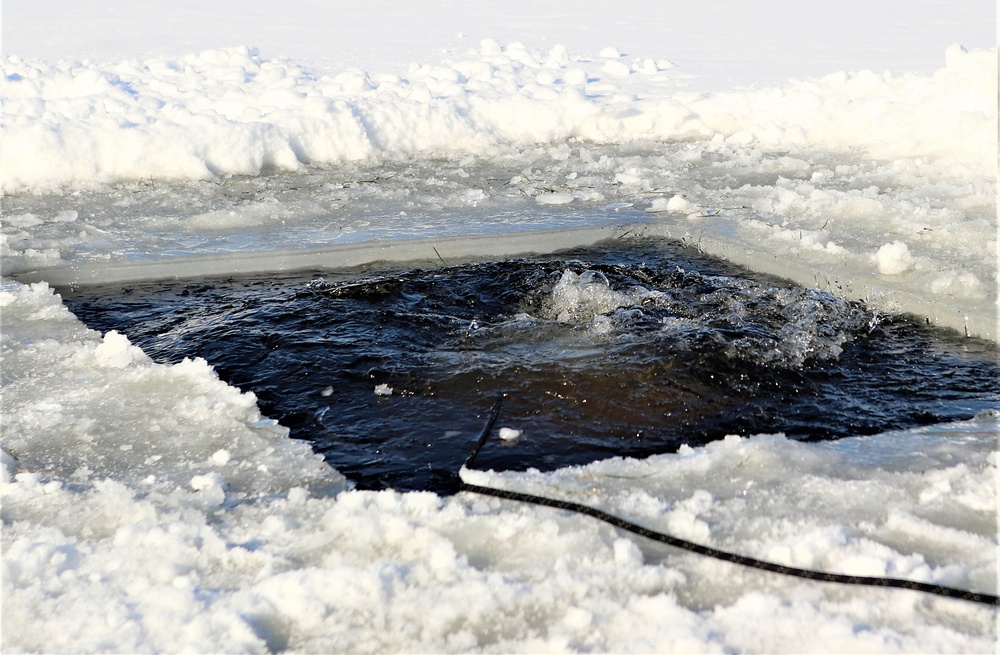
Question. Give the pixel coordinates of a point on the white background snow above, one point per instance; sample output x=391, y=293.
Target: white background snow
x=152, y=508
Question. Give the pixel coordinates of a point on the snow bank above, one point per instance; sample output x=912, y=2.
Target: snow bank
x=235, y=111
x=149, y=508
x=948, y=114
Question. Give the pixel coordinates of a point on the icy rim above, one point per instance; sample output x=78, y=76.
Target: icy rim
x=879, y=186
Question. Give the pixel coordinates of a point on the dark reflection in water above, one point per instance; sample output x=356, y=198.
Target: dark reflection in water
x=628, y=349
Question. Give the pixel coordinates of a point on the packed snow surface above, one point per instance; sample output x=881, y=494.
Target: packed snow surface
x=150, y=507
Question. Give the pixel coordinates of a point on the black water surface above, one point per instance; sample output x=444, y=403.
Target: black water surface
x=627, y=349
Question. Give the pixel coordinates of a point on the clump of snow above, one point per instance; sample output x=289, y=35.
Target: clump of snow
x=676, y=203
x=116, y=351
x=893, y=258
x=509, y=434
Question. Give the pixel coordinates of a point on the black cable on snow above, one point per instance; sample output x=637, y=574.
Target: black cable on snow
x=707, y=551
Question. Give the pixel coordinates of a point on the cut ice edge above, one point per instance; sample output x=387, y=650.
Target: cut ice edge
x=970, y=317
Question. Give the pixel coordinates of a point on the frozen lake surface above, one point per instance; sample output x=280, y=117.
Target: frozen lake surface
x=448, y=153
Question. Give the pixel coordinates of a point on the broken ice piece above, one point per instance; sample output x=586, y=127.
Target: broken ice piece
x=383, y=390
x=271, y=425
x=509, y=434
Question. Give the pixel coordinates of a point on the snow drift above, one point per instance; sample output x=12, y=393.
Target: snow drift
x=235, y=111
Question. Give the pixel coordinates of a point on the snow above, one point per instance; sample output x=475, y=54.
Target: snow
x=151, y=507
x=733, y=43
x=236, y=111
x=893, y=258
x=509, y=434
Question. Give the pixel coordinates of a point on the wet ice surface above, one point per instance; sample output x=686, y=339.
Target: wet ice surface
x=827, y=202
x=917, y=236
x=348, y=203
x=631, y=349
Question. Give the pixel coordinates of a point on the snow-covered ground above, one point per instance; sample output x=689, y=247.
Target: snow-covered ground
x=149, y=507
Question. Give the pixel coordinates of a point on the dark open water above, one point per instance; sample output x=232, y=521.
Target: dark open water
x=627, y=349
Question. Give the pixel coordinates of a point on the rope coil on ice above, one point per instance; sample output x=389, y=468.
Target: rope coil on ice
x=742, y=560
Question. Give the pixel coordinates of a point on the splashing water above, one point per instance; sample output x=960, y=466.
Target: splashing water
x=631, y=349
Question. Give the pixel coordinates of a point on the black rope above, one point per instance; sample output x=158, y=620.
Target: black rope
x=742, y=560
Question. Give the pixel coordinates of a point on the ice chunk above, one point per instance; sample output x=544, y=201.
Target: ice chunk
x=509, y=434
x=211, y=488
x=68, y=216
x=8, y=467
x=894, y=258
x=116, y=351
x=556, y=198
